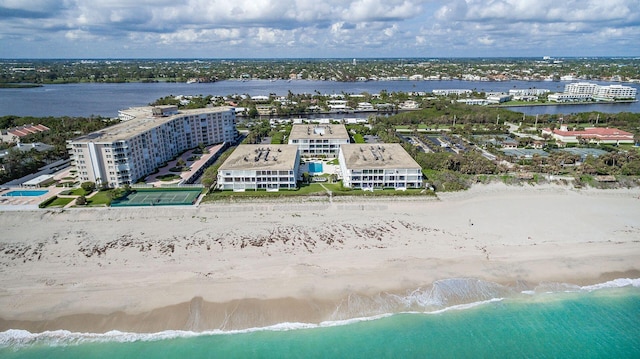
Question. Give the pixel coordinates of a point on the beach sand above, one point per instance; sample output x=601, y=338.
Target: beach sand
x=241, y=265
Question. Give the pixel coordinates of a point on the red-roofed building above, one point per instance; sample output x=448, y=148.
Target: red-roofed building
x=14, y=134
x=597, y=135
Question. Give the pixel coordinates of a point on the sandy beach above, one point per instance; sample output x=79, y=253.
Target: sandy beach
x=241, y=265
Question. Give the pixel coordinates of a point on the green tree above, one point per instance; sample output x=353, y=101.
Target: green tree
x=88, y=186
x=81, y=201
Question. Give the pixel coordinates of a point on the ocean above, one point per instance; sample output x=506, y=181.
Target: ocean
x=548, y=321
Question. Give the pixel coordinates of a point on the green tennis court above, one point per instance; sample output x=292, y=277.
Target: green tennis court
x=158, y=197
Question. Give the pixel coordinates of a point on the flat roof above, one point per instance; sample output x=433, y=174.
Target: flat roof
x=318, y=131
x=38, y=180
x=143, y=121
x=261, y=157
x=377, y=156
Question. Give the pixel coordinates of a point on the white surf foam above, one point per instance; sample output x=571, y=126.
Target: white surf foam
x=430, y=300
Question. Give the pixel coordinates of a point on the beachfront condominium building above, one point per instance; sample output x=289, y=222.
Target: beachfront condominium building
x=260, y=167
x=314, y=140
x=369, y=166
x=150, y=136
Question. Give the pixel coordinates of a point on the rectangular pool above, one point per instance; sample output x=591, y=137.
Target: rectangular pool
x=315, y=167
x=25, y=193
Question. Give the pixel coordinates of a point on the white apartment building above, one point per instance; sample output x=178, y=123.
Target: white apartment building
x=528, y=92
x=318, y=139
x=447, y=92
x=606, y=93
x=151, y=136
x=569, y=97
x=388, y=165
x=615, y=92
x=260, y=167
x=581, y=88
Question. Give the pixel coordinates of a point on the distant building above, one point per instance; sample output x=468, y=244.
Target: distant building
x=260, y=167
x=581, y=88
x=585, y=91
x=409, y=105
x=498, y=98
x=388, y=165
x=597, y=135
x=616, y=92
x=447, y=92
x=474, y=101
x=528, y=92
x=318, y=140
x=569, y=97
x=16, y=133
x=123, y=153
x=365, y=107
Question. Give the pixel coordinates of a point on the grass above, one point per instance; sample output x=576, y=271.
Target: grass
x=59, y=202
x=334, y=162
x=312, y=189
x=101, y=198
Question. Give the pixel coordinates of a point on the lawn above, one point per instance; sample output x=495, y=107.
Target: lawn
x=101, y=198
x=59, y=202
x=313, y=189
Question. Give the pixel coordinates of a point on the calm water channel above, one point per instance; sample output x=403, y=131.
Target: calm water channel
x=106, y=99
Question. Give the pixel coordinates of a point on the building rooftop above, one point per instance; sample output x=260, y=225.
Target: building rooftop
x=144, y=120
x=262, y=157
x=603, y=133
x=315, y=131
x=377, y=156
x=25, y=130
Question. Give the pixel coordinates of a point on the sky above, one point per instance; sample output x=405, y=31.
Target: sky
x=318, y=28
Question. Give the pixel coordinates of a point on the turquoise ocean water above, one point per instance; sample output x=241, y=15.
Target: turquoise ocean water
x=601, y=321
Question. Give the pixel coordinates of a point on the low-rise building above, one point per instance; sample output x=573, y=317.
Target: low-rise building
x=16, y=133
x=447, y=92
x=498, y=98
x=318, y=140
x=569, y=97
x=260, y=167
x=388, y=165
x=598, y=135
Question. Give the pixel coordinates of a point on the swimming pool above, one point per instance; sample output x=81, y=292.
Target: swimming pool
x=21, y=193
x=315, y=167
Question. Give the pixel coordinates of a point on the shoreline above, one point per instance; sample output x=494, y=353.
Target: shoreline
x=245, y=265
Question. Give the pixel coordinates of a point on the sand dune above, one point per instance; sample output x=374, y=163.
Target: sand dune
x=233, y=266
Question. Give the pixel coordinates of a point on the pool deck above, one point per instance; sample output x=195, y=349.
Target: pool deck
x=24, y=203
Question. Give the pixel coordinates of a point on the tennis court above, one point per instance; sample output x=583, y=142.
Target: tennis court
x=158, y=197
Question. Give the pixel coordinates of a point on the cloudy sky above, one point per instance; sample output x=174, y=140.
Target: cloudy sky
x=317, y=28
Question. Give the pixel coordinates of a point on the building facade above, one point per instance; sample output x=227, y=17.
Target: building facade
x=585, y=91
x=616, y=92
x=388, y=165
x=598, y=135
x=260, y=167
x=151, y=136
x=314, y=140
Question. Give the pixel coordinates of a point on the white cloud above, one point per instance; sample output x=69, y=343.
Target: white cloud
x=347, y=27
